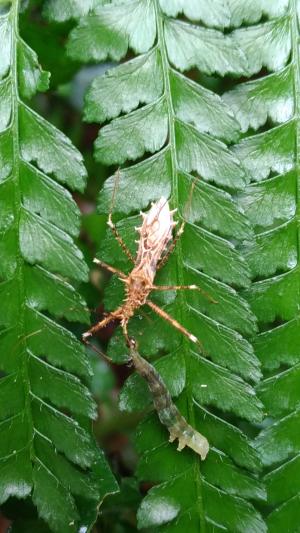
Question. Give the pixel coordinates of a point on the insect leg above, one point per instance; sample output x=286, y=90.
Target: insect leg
x=174, y=322
x=165, y=258
x=110, y=268
x=125, y=331
x=183, y=287
x=98, y=326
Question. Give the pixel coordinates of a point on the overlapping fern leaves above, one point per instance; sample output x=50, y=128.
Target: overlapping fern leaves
x=46, y=449
x=270, y=104
x=174, y=128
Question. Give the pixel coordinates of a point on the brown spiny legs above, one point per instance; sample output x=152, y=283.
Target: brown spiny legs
x=110, y=268
x=172, y=321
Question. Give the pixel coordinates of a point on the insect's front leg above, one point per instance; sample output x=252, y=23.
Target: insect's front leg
x=110, y=268
x=118, y=237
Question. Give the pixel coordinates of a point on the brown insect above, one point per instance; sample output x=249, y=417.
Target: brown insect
x=155, y=235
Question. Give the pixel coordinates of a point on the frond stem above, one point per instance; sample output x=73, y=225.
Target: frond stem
x=179, y=252
x=19, y=274
x=296, y=65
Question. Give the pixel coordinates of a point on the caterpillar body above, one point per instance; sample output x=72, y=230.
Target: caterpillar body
x=167, y=411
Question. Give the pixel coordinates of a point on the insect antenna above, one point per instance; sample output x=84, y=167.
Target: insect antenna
x=116, y=185
x=188, y=203
x=112, y=225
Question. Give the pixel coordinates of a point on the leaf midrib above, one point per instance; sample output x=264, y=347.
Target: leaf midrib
x=167, y=71
x=17, y=214
x=296, y=65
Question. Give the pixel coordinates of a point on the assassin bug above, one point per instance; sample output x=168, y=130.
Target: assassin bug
x=155, y=234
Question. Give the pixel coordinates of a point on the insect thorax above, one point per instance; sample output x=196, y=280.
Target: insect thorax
x=138, y=287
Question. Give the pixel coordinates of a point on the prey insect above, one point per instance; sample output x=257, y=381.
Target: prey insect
x=167, y=411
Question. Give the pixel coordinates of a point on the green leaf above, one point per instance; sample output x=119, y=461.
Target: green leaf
x=279, y=487
x=62, y=302
x=50, y=149
x=211, y=385
x=280, y=393
x=47, y=487
x=55, y=10
x=209, y=50
x=242, y=10
x=266, y=45
x=47, y=451
x=16, y=476
x=271, y=203
x=272, y=151
x=5, y=103
x=156, y=511
x=108, y=32
x=202, y=108
x=47, y=40
x=217, y=14
x=280, y=245
x=171, y=127
x=198, y=152
x=48, y=199
x=41, y=242
x=284, y=516
x=31, y=76
x=148, y=128
x=138, y=81
x=269, y=97
x=6, y=38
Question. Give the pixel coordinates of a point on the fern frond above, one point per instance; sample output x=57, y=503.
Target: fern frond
x=46, y=449
x=178, y=128
x=272, y=161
